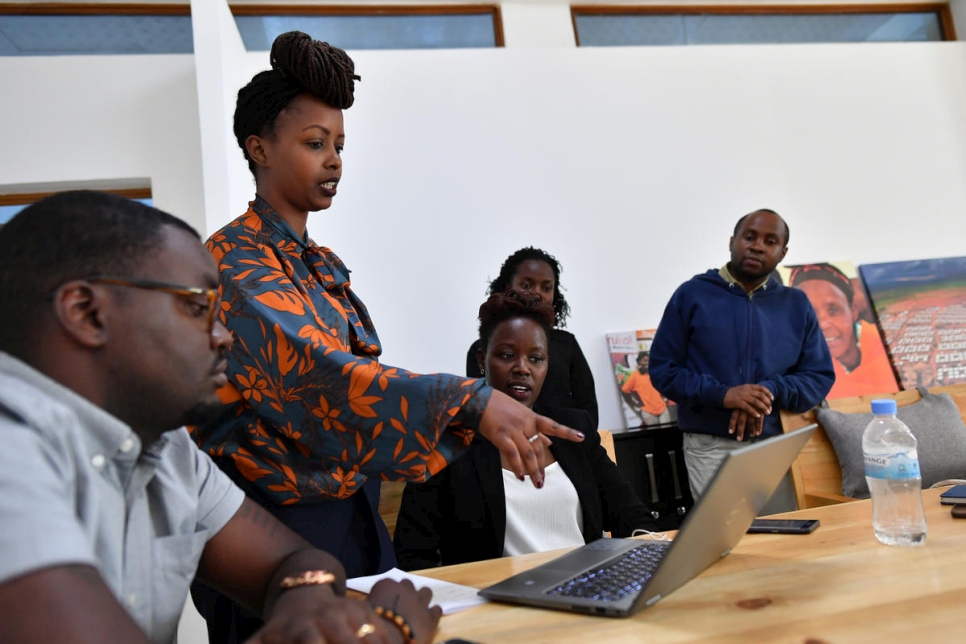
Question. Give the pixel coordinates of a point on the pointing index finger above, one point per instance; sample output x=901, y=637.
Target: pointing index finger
x=550, y=427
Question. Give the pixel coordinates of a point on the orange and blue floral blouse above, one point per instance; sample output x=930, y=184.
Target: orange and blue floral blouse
x=309, y=410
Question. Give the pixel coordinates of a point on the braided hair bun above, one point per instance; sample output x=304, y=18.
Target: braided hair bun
x=320, y=69
x=300, y=64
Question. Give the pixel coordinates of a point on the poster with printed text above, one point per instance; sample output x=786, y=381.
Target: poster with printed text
x=641, y=404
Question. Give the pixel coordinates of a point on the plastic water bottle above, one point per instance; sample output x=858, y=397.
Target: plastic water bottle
x=892, y=471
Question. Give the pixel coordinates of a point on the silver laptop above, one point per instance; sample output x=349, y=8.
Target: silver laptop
x=606, y=577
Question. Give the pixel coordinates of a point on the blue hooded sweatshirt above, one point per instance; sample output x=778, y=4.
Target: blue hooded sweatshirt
x=714, y=336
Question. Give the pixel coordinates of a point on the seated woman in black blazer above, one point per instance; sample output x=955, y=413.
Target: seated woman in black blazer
x=476, y=509
x=569, y=381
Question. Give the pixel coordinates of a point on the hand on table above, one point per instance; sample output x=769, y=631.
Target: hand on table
x=402, y=598
x=348, y=621
x=511, y=427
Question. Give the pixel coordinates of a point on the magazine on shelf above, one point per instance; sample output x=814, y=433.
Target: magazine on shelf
x=641, y=404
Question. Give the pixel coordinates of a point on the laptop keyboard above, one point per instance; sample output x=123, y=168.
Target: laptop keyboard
x=619, y=578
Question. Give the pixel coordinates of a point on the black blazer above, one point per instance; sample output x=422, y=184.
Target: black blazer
x=459, y=515
x=569, y=382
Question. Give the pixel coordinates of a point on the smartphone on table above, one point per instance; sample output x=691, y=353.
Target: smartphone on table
x=783, y=526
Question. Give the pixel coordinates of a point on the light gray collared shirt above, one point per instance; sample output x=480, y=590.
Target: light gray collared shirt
x=76, y=487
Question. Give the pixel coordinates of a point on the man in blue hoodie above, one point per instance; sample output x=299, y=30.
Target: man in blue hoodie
x=735, y=346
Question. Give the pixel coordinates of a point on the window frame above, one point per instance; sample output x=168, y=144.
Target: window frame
x=376, y=10
x=27, y=198
x=942, y=9
x=91, y=9
x=94, y=9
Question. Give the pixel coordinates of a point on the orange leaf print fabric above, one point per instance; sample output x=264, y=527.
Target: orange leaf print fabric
x=316, y=414
x=281, y=301
x=285, y=352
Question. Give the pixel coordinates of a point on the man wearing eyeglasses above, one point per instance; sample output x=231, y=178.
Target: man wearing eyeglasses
x=109, y=341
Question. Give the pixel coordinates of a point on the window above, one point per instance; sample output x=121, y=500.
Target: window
x=373, y=26
x=11, y=204
x=601, y=26
x=60, y=29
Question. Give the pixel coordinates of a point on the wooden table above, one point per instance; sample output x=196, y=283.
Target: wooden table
x=837, y=584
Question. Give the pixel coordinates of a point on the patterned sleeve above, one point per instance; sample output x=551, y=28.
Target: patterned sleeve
x=324, y=418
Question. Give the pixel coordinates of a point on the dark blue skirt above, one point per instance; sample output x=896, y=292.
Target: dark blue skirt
x=349, y=529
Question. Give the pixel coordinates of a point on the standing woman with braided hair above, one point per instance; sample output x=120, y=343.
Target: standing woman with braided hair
x=312, y=421
x=569, y=382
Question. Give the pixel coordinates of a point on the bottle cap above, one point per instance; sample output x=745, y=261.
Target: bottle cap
x=883, y=407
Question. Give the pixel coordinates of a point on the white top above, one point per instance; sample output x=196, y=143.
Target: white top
x=78, y=488
x=544, y=519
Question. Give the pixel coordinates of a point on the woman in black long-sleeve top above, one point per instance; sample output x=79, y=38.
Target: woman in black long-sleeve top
x=476, y=509
x=569, y=382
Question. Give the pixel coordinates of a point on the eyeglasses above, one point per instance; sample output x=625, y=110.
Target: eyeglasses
x=214, y=301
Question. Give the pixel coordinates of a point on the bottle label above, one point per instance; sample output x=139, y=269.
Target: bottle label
x=904, y=465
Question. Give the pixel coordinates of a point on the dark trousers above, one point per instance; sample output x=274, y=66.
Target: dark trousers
x=349, y=529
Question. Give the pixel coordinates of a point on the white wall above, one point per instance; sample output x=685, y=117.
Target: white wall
x=218, y=50
x=958, y=9
x=531, y=24
x=631, y=165
x=72, y=119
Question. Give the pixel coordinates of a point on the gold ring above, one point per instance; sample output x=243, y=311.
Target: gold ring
x=533, y=438
x=365, y=629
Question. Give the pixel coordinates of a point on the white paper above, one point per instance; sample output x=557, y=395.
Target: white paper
x=448, y=596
